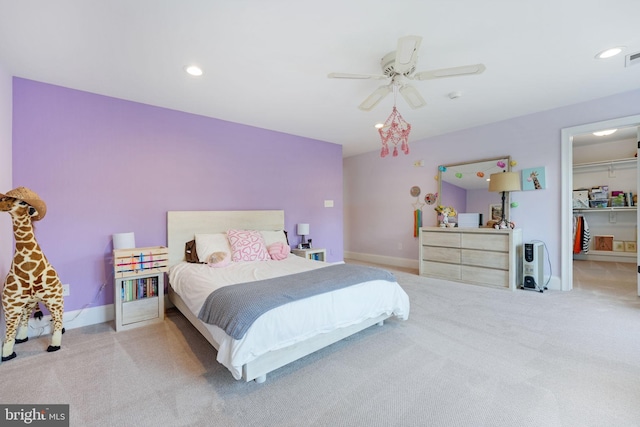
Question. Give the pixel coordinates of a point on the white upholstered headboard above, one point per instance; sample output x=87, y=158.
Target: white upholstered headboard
x=182, y=226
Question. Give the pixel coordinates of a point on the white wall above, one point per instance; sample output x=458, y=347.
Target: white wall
x=378, y=206
x=6, y=233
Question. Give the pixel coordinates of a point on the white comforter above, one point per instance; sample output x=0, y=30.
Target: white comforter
x=290, y=323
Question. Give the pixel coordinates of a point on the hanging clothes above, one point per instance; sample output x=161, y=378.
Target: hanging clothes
x=577, y=234
x=586, y=235
x=581, y=235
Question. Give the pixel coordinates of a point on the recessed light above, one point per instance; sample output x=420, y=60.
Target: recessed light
x=379, y=125
x=194, y=70
x=608, y=53
x=605, y=132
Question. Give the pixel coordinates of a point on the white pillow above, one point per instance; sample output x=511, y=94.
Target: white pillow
x=206, y=244
x=271, y=237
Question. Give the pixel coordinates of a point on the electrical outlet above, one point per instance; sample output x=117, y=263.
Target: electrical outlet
x=66, y=290
x=399, y=246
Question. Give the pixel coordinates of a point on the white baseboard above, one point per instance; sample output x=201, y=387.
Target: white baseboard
x=73, y=319
x=381, y=259
x=554, y=283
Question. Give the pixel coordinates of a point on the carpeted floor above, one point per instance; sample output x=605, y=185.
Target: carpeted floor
x=467, y=356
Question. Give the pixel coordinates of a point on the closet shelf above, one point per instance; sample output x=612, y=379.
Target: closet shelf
x=631, y=161
x=582, y=255
x=607, y=209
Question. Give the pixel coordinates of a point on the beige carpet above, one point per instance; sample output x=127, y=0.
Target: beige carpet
x=468, y=356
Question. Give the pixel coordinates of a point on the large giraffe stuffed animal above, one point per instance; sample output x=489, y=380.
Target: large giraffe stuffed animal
x=31, y=279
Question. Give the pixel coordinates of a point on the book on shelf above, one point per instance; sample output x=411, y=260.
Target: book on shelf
x=135, y=289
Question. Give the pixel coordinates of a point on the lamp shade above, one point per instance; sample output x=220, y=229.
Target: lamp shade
x=303, y=229
x=504, y=181
x=124, y=241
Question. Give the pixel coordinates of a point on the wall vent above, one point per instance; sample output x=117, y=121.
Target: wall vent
x=632, y=59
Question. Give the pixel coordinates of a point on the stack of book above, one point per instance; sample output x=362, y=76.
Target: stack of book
x=134, y=289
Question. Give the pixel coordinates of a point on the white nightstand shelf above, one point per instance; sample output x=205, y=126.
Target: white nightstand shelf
x=139, y=286
x=312, y=254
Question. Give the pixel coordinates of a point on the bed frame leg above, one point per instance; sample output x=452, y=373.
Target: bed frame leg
x=261, y=379
x=380, y=323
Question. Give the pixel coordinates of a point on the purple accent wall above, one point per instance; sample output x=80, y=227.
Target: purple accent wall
x=452, y=195
x=105, y=166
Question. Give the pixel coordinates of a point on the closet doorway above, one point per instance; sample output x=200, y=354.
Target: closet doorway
x=621, y=221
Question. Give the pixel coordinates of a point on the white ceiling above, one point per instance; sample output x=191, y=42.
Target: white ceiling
x=266, y=62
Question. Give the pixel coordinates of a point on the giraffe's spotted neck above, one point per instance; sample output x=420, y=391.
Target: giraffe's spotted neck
x=23, y=230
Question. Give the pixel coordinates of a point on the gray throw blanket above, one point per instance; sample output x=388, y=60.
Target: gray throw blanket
x=234, y=308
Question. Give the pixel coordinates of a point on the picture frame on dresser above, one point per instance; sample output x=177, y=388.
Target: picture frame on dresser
x=495, y=211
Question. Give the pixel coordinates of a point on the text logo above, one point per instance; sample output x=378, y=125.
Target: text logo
x=34, y=415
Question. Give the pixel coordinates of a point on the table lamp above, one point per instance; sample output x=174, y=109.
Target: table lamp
x=124, y=240
x=303, y=230
x=503, y=182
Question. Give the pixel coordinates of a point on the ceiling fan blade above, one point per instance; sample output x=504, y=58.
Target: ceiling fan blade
x=407, y=53
x=356, y=76
x=412, y=96
x=463, y=70
x=373, y=99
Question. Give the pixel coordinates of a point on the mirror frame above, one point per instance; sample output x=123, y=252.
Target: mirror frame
x=507, y=201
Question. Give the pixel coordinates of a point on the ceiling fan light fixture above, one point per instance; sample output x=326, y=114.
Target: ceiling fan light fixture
x=400, y=65
x=611, y=52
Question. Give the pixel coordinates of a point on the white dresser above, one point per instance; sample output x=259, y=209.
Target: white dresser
x=483, y=256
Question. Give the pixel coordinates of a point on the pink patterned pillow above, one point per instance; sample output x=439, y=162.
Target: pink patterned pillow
x=279, y=251
x=247, y=245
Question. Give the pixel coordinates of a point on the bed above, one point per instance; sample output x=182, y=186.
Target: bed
x=283, y=334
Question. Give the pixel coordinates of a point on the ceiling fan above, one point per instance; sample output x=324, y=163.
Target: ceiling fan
x=400, y=66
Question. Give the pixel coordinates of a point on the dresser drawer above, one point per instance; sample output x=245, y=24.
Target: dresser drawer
x=485, y=276
x=479, y=256
x=489, y=259
x=435, y=253
x=494, y=242
x=441, y=238
x=441, y=269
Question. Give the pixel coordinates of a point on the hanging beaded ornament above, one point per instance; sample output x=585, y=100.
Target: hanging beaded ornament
x=395, y=130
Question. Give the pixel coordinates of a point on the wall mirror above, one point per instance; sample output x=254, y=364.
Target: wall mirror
x=465, y=187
